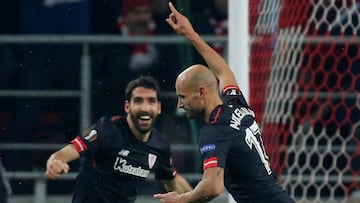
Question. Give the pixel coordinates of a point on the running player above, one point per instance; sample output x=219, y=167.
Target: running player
x=230, y=141
x=117, y=154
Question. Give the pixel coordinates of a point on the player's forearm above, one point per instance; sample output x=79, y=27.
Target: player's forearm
x=182, y=185
x=203, y=192
x=66, y=154
x=214, y=61
x=178, y=184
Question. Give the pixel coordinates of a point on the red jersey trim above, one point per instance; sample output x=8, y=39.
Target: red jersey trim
x=79, y=144
x=216, y=116
x=174, y=174
x=211, y=162
x=114, y=118
x=230, y=87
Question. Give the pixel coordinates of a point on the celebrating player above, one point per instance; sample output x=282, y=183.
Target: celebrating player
x=117, y=154
x=230, y=142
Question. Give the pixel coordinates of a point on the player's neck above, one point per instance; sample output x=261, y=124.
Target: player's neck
x=141, y=137
x=211, y=103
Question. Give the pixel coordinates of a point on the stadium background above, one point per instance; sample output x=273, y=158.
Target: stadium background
x=304, y=83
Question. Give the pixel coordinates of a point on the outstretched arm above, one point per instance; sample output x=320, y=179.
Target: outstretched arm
x=178, y=184
x=215, y=62
x=210, y=186
x=57, y=163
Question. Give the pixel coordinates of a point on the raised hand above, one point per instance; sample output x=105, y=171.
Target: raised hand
x=179, y=22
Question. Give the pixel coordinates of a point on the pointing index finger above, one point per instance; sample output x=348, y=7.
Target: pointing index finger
x=172, y=8
x=158, y=196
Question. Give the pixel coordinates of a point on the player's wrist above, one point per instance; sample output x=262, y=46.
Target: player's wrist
x=187, y=197
x=183, y=198
x=192, y=36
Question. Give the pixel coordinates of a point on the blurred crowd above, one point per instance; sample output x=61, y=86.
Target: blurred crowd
x=31, y=66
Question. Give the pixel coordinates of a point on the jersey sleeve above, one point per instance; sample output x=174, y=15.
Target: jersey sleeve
x=214, y=148
x=166, y=169
x=96, y=138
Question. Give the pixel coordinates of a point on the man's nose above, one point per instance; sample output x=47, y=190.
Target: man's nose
x=179, y=103
x=146, y=106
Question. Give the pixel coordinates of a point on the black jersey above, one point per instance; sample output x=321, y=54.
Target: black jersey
x=114, y=164
x=232, y=140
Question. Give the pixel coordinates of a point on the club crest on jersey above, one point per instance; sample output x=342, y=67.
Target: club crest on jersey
x=152, y=160
x=91, y=136
x=207, y=148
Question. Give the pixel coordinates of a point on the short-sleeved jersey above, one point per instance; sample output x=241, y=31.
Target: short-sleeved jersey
x=114, y=164
x=232, y=140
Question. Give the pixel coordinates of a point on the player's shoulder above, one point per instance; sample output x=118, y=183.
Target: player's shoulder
x=111, y=120
x=106, y=123
x=220, y=115
x=233, y=97
x=159, y=136
x=231, y=90
x=219, y=126
x=159, y=139
x=222, y=118
x=104, y=120
x=116, y=120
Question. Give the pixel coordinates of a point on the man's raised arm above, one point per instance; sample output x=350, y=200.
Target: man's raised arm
x=215, y=62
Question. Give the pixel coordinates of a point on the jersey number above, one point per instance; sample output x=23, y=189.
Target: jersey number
x=251, y=140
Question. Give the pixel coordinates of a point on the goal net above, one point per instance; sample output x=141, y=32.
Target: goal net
x=305, y=89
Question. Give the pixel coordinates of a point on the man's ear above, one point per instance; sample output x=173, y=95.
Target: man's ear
x=202, y=91
x=127, y=106
x=159, y=106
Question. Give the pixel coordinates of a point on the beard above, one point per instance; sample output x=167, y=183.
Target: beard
x=143, y=126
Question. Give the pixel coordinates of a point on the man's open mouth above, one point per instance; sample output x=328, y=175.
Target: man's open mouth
x=145, y=118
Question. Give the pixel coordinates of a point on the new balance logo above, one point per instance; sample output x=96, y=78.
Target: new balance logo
x=124, y=152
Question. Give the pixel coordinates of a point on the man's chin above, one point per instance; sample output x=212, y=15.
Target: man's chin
x=144, y=127
x=144, y=130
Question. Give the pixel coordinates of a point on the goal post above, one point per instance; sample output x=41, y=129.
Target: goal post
x=238, y=44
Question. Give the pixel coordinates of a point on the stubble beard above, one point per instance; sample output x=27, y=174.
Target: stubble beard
x=143, y=129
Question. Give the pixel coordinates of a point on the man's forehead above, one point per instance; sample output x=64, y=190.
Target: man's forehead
x=184, y=90
x=142, y=92
x=185, y=84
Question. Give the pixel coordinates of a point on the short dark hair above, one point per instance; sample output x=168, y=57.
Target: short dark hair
x=145, y=81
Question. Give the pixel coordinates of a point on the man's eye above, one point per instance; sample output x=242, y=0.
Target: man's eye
x=152, y=101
